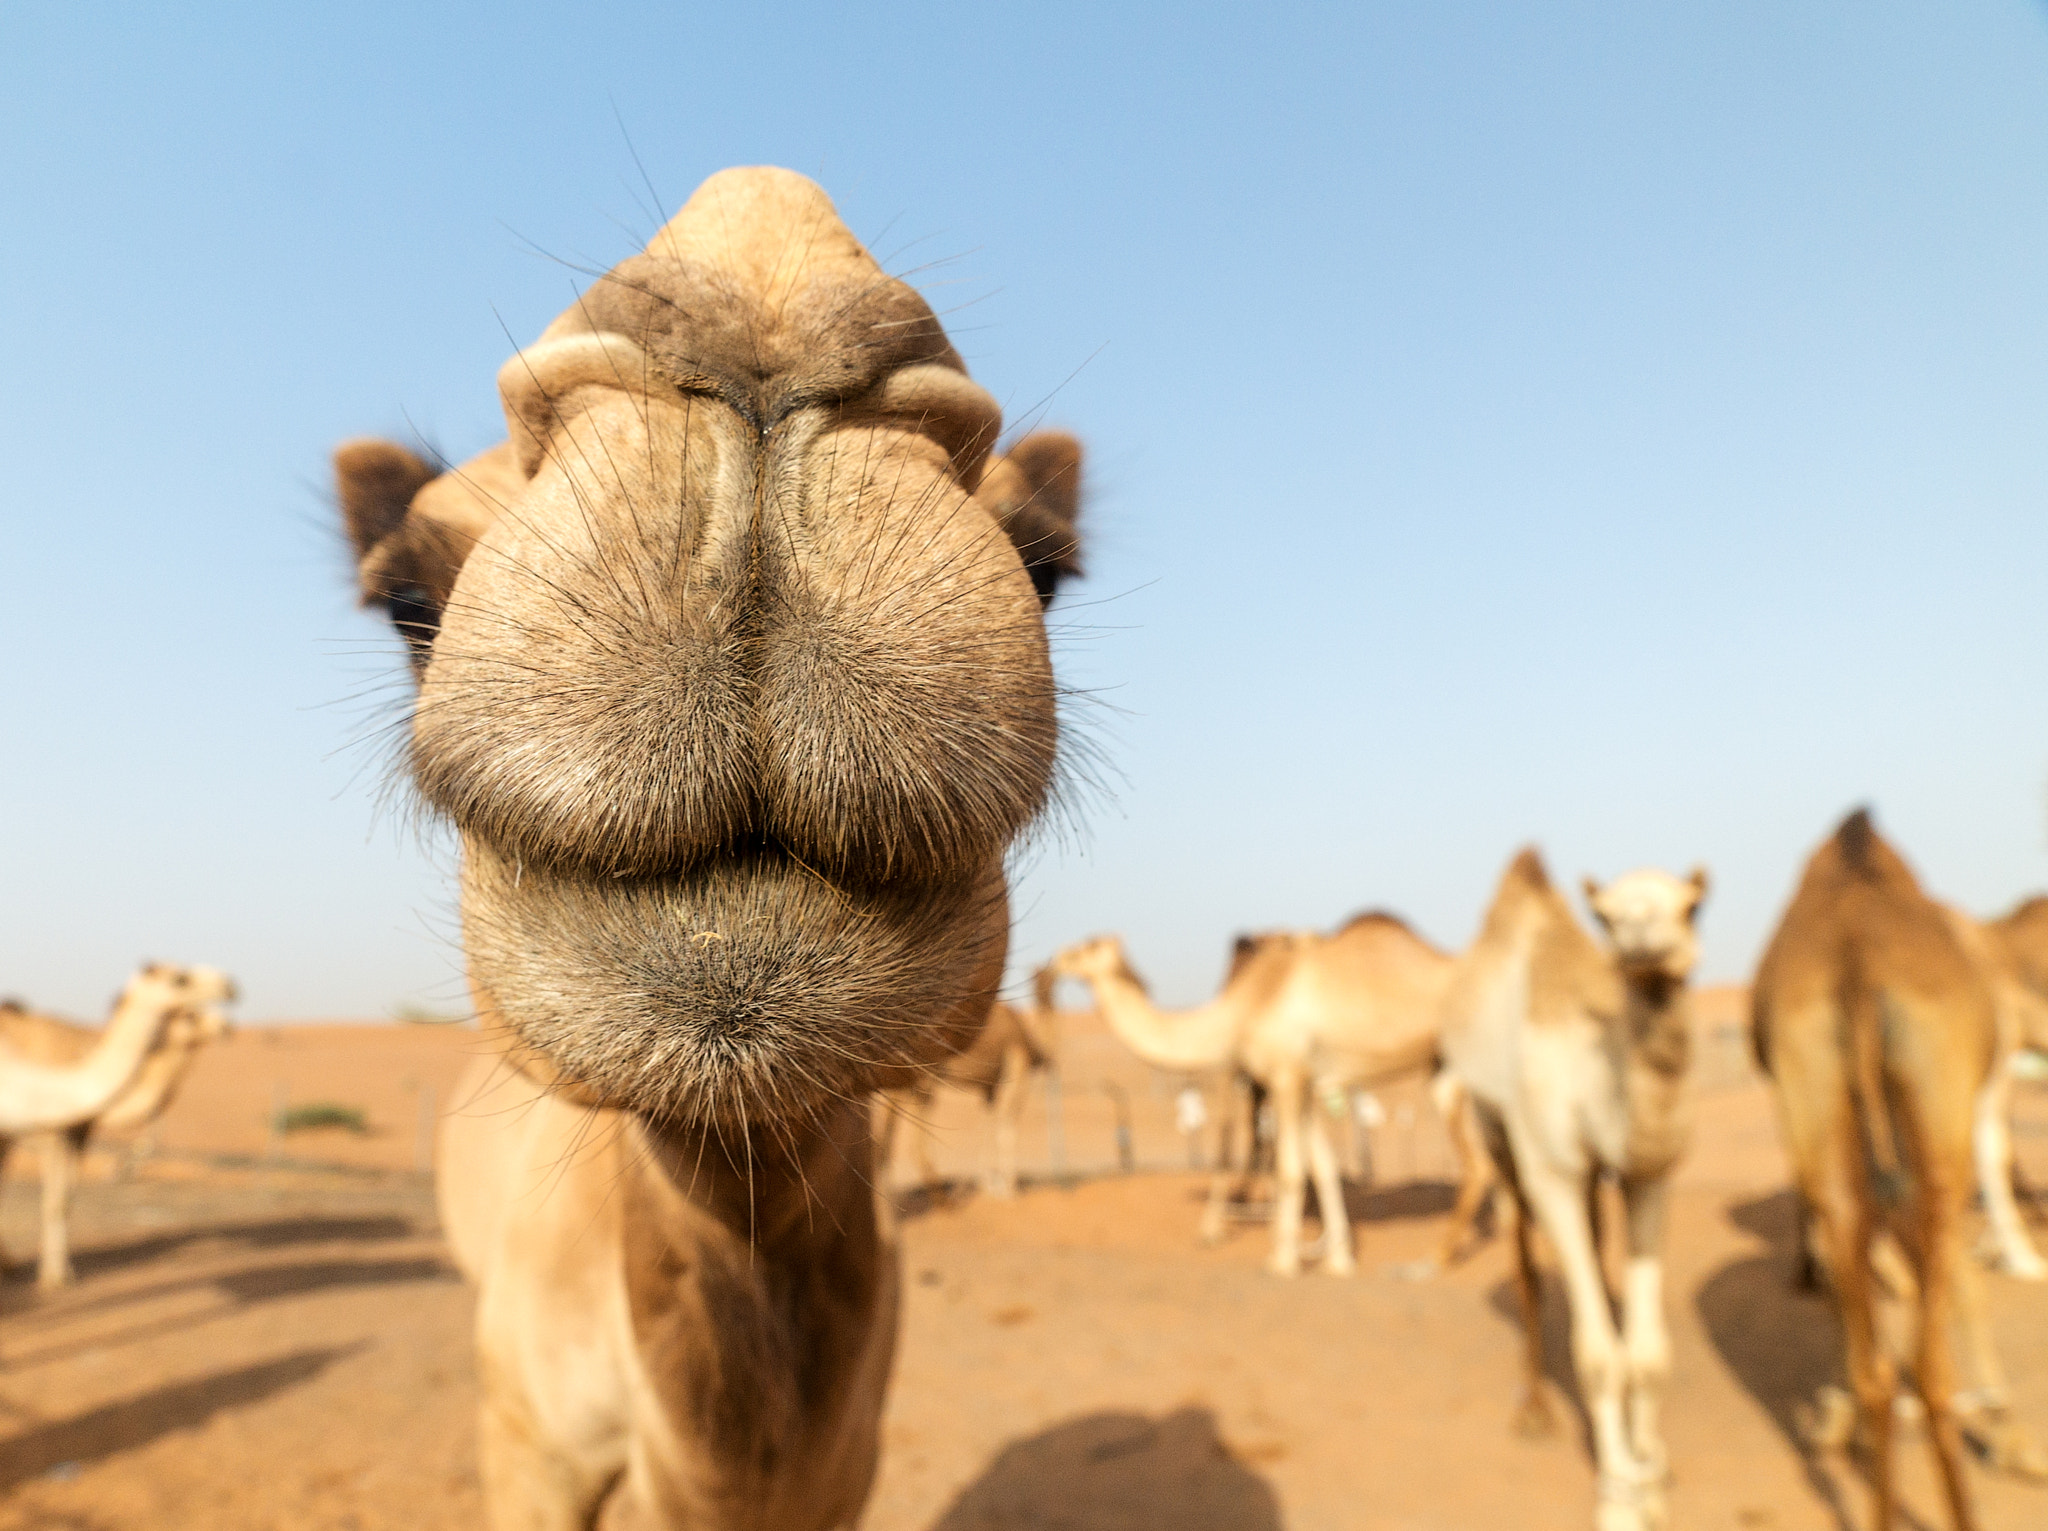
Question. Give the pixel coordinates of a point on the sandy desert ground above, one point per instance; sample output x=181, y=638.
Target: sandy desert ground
x=267, y=1333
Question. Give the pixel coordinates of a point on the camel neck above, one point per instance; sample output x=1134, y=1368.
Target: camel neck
x=1202, y=1038
x=1660, y=1021
x=773, y=1187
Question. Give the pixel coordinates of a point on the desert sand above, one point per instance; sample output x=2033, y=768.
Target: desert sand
x=267, y=1332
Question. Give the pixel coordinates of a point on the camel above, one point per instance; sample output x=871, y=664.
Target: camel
x=1574, y=1058
x=1306, y=1016
x=732, y=679
x=997, y=1066
x=48, y=1097
x=1879, y=1027
x=46, y=1039
x=2013, y=953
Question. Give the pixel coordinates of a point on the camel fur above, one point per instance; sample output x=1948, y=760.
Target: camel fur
x=1575, y=1057
x=732, y=679
x=1308, y=1017
x=1879, y=1026
x=998, y=1066
x=51, y=1040
x=50, y=1097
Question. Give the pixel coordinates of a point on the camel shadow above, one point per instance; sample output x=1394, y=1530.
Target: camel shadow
x=1782, y=1344
x=1557, y=1344
x=241, y=1289
x=1118, y=1472
x=1402, y=1200
x=275, y=1233
x=137, y=1421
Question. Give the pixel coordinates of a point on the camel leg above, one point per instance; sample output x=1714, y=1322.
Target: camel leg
x=1218, y=1207
x=1322, y=1154
x=61, y=1152
x=1533, y=1416
x=1559, y=1200
x=1986, y=1406
x=1992, y=1139
x=1291, y=1183
x=1012, y=1090
x=526, y=1487
x=1844, y=1230
x=1937, y=1363
x=1645, y=1341
x=1475, y=1167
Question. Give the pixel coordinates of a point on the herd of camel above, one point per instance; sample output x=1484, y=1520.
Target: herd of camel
x=731, y=676
x=1889, y=1025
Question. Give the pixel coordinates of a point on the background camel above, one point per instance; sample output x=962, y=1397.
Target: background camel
x=1879, y=1026
x=2013, y=952
x=46, y=1097
x=998, y=1066
x=1575, y=1058
x=51, y=1040
x=1306, y=1016
x=732, y=677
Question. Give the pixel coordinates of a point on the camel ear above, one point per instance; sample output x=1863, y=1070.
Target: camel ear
x=375, y=482
x=1698, y=879
x=1034, y=490
x=1591, y=889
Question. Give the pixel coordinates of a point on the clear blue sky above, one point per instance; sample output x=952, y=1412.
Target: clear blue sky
x=1620, y=427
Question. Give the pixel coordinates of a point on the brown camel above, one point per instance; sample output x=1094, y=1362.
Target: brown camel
x=51, y=1040
x=1575, y=1058
x=997, y=1066
x=733, y=679
x=1308, y=1017
x=1879, y=1028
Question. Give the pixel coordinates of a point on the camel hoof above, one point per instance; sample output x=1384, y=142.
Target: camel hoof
x=1534, y=1421
x=1829, y=1422
x=2031, y=1267
x=1281, y=1265
x=1622, y=1515
x=2008, y=1447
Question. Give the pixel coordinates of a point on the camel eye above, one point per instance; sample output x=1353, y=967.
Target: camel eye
x=416, y=615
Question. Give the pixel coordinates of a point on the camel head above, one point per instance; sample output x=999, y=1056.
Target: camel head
x=732, y=670
x=1096, y=957
x=1651, y=919
x=168, y=987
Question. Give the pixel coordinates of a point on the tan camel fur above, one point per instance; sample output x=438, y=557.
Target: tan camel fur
x=1308, y=1017
x=997, y=1066
x=48, y=1039
x=1879, y=1027
x=2013, y=952
x=47, y=1097
x=1575, y=1058
x=733, y=680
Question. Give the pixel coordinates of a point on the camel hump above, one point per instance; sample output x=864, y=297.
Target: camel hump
x=1370, y=918
x=1527, y=868
x=1859, y=853
x=1856, y=842
x=2028, y=909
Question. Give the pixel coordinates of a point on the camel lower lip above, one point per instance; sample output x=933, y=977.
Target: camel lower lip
x=748, y=985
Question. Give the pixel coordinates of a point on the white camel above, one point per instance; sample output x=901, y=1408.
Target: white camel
x=50, y=1041
x=1575, y=1059
x=41, y=1097
x=1307, y=1016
